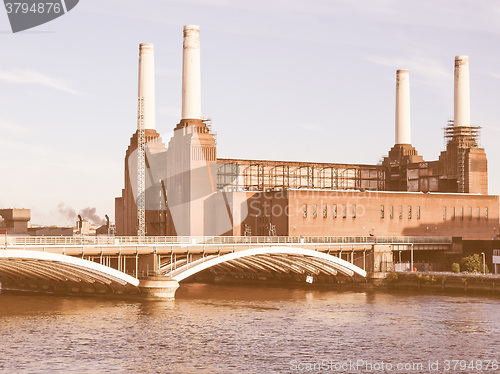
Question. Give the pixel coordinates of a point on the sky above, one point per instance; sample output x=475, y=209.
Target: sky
x=300, y=80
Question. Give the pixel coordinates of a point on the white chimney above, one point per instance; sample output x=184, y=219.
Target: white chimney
x=147, y=84
x=191, y=76
x=403, y=124
x=462, y=92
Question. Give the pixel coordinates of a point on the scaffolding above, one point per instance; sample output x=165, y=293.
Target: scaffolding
x=208, y=123
x=141, y=171
x=252, y=175
x=458, y=140
x=465, y=136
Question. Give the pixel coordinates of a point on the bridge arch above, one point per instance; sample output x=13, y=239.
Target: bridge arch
x=56, y=272
x=285, y=259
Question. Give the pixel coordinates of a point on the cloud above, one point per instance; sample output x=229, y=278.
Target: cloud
x=10, y=128
x=311, y=127
x=429, y=72
x=26, y=76
x=494, y=75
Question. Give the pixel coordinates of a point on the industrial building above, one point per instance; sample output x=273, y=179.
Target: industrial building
x=182, y=188
x=15, y=221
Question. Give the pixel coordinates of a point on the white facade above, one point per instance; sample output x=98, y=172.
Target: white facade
x=191, y=74
x=462, y=92
x=403, y=123
x=147, y=84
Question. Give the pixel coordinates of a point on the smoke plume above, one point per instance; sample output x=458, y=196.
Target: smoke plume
x=90, y=215
x=65, y=211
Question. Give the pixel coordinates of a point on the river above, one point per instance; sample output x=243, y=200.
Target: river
x=213, y=328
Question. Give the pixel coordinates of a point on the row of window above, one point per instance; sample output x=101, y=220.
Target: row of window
x=460, y=212
x=352, y=210
x=344, y=210
x=401, y=212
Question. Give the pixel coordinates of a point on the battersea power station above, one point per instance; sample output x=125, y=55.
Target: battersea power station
x=178, y=186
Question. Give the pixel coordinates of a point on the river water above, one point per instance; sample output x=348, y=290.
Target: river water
x=251, y=329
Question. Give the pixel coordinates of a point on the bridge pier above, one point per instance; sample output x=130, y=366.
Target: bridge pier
x=154, y=286
x=158, y=287
x=382, y=258
x=382, y=262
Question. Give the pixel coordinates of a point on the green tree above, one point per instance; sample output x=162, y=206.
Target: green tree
x=474, y=264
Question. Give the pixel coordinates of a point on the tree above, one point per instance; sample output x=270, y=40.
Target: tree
x=455, y=268
x=474, y=264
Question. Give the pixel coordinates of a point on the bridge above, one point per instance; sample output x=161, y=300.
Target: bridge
x=152, y=267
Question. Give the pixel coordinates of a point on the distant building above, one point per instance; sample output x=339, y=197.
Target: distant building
x=51, y=230
x=15, y=221
x=106, y=229
x=84, y=227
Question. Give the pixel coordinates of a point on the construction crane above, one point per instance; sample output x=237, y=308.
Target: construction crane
x=141, y=171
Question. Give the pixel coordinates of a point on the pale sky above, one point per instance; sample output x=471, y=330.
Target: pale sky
x=300, y=80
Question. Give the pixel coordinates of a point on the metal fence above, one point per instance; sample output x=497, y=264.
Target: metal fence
x=189, y=240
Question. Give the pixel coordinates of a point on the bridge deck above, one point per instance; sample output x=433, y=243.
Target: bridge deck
x=198, y=249
x=121, y=240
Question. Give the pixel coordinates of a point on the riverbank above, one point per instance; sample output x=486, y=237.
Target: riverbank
x=444, y=282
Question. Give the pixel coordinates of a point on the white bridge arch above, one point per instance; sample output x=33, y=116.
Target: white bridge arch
x=53, y=271
x=270, y=259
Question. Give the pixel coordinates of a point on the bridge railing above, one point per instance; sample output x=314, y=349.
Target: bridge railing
x=189, y=240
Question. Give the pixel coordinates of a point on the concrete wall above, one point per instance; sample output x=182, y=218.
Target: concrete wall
x=50, y=231
x=476, y=171
x=190, y=181
x=15, y=221
x=436, y=282
x=225, y=212
x=268, y=211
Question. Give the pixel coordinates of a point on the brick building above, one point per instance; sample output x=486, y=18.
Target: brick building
x=192, y=192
